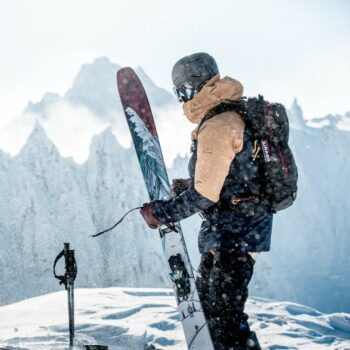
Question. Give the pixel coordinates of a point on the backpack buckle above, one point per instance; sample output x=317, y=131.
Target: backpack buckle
x=236, y=201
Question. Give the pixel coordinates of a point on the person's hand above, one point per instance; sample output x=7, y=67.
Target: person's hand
x=149, y=216
x=180, y=185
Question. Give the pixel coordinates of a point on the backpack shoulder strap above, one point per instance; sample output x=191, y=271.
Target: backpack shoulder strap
x=206, y=118
x=229, y=106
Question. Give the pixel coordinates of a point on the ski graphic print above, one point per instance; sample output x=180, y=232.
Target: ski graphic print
x=144, y=135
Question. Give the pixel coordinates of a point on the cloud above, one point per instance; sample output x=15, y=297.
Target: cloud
x=69, y=127
x=174, y=131
x=14, y=135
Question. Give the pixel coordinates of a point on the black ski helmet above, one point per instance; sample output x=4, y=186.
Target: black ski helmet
x=191, y=73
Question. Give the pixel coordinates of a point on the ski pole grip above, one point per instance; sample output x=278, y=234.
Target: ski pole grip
x=71, y=266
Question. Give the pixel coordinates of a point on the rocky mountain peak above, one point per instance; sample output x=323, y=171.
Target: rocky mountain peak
x=296, y=117
x=38, y=145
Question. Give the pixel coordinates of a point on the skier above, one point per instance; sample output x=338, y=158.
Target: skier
x=223, y=187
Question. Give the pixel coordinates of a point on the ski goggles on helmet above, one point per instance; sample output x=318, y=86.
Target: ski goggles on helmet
x=184, y=93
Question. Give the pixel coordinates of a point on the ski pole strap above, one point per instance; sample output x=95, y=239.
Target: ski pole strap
x=71, y=266
x=61, y=278
x=171, y=226
x=116, y=224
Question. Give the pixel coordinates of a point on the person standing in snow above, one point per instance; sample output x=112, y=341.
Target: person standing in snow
x=224, y=186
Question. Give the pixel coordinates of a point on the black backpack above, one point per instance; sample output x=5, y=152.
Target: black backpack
x=268, y=126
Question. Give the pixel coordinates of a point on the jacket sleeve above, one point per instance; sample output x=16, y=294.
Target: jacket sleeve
x=181, y=207
x=219, y=140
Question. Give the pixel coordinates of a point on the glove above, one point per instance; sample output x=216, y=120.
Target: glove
x=180, y=185
x=147, y=212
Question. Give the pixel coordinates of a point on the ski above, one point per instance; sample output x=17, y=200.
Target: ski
x=145, y=138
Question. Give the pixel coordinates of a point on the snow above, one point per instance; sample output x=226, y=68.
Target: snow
x=128, y=318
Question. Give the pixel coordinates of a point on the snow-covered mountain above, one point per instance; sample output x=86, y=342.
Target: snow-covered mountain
x=48, y=198
x=341, y=122
x=296, y=117
x=94, y=87
x=125, y=318
x=89, y=106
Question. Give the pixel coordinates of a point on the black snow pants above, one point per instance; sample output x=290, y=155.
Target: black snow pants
x=222, y=283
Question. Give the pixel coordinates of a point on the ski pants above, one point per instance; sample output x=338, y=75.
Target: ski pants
x=222, y=284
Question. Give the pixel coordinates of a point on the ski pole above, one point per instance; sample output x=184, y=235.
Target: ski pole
x=68, y=280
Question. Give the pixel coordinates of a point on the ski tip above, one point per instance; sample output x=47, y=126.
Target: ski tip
x=124, y=71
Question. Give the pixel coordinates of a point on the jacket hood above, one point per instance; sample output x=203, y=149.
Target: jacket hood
x=214, y=92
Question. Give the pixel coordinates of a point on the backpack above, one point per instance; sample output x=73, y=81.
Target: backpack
x=268, y=126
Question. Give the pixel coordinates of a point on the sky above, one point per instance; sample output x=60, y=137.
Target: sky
x=281, y=49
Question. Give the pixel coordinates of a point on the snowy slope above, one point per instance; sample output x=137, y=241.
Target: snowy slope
x=125, y=318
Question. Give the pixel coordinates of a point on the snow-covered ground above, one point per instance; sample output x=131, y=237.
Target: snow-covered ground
x=128, y=318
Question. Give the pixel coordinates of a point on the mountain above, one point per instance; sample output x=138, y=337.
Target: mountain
x=89, y=106
x=341, y=122
x=94, y=87
x=296, y=117
x=129, y=318
x=48, y=200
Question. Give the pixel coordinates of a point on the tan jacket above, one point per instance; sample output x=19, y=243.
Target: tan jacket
x=219, y=139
